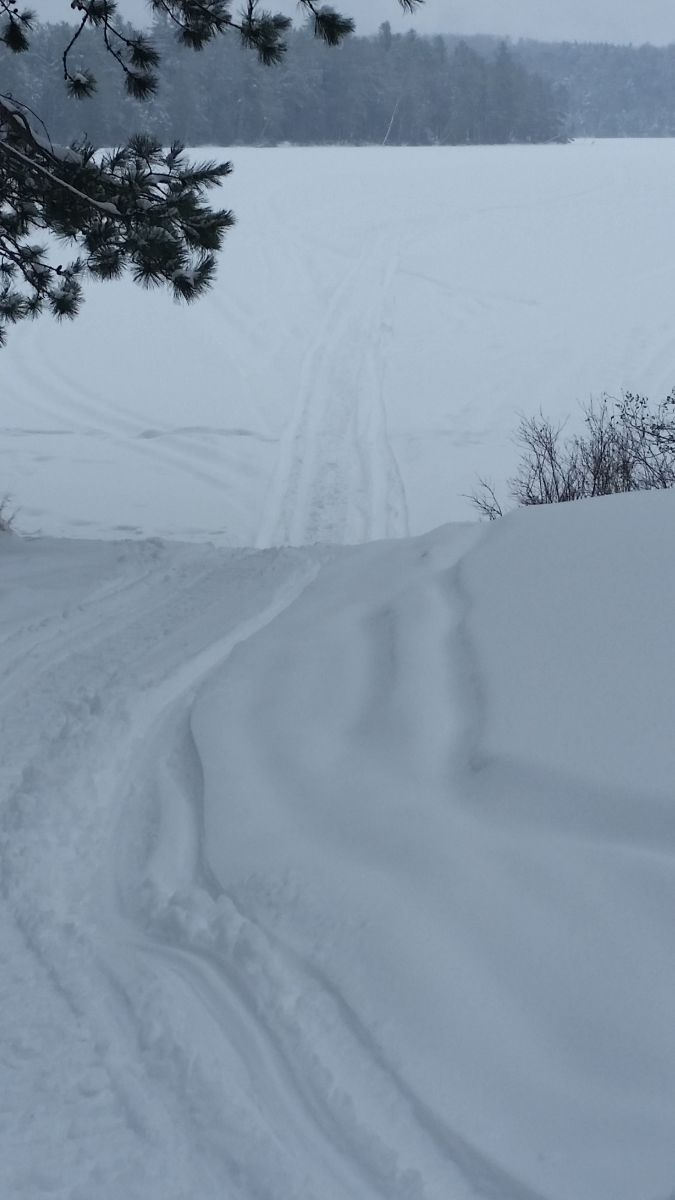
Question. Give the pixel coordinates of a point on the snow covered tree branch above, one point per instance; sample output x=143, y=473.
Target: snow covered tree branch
x=141, y=207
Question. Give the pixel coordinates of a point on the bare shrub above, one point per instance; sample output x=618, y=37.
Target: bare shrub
x=485, y=500
x=655, y=426
x=7, y=515
x=625, y=446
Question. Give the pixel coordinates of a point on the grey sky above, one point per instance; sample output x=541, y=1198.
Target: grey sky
x=573, y=20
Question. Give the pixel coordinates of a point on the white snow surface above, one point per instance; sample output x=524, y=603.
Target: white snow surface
x=380, y=316
x=341, y=873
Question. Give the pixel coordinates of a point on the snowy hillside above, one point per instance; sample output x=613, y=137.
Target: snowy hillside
x=380, y=316
x=341, y=874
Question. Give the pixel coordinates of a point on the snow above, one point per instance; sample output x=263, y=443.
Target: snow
x=341, y=871
x=338, y=872
x=379, y=318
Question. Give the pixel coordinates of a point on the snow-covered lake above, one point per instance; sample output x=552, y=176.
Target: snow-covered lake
x=380, y=317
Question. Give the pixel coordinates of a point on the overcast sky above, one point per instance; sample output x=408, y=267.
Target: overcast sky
x=573, y=20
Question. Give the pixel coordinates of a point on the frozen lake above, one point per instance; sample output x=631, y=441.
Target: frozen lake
x=380, y=318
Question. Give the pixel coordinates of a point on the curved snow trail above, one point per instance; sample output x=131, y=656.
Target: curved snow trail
x=353, y=1105
x=106, y=639
x=337, y=479
x=187, y=1045
x=299, y=897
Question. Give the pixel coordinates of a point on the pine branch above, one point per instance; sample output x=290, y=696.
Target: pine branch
x=107, y=209
x=139, y=208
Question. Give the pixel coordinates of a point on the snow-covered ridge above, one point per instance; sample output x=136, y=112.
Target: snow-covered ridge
x=340, y=873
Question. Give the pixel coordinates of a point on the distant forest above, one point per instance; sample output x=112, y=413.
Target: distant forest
x=394, y=89
x=388, y=89
x=609, y=91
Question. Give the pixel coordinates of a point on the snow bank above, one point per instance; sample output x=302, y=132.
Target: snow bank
x=443, y=781
x=341, y=873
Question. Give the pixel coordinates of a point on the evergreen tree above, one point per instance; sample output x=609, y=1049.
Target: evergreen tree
x=608, y=91
x=468, y=116
x=140, y=208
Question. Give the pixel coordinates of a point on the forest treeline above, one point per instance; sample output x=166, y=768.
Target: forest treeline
x=393, y=89
x=388, y=89
x=608, y=91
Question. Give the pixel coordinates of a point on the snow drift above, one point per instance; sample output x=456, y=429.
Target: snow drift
x=340, y=873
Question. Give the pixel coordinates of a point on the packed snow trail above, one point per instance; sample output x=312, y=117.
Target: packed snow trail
x=100, y=641
x=337, y=479
x=337, y=875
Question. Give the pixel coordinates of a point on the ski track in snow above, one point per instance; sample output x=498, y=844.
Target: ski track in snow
x=337, y=479
x=63, y=399
x=194, y=1036
x=280, y=917
x=281, y=1016
x=65, y=717
x=377, y=325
